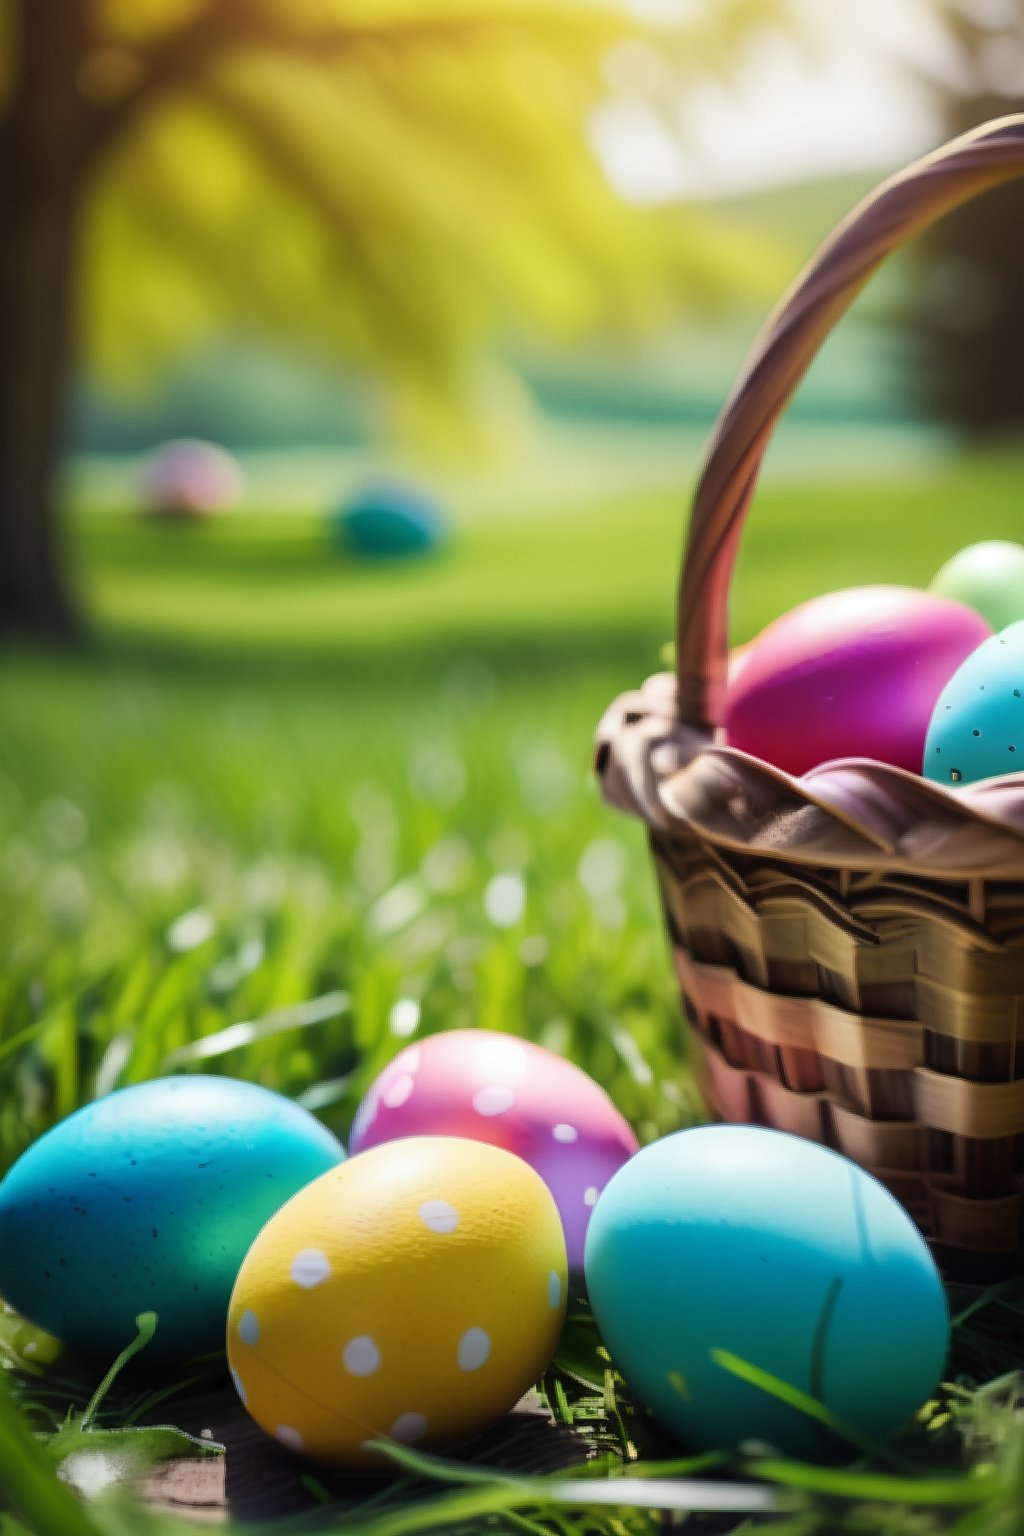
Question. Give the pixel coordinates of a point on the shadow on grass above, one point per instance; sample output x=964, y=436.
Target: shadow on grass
x=462, y=658
x=461, y=661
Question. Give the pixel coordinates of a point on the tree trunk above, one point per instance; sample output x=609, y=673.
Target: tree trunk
x=42, y=137
x=968, y=314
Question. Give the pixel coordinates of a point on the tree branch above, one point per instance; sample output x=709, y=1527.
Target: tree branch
x=223, y=27
x=169, y=62
x=398, y=316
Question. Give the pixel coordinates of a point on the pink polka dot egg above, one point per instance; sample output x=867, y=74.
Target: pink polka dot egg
x=511, y=1093
x=414, y=1298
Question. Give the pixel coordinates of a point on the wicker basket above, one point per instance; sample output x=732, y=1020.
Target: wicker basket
x=849, y=944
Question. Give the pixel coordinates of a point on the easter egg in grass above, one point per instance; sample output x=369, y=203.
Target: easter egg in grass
x=977, y=728
x=415, y=1293
x=189, y=478
x=783, y=1255
x=388, y=520
x=147, y=1200
x=849, y=674
x=514, y=1094
x=988, y=577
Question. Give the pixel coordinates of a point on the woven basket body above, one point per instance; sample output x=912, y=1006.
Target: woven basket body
x=849, y=944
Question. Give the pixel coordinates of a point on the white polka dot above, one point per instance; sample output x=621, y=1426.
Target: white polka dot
x=554, y=1290
x=30, y=1348
x=565, y=1133
x=409, y=1061
x=474, y=1349
x=398, y=1091
x=249, y=1327
x=408, y=1427
x=289, y=1437
x=239, y=1384
x=590, y=1195
x=493, y=1101
x=498, y=1058
x=310, y=1267
x=361, y=1357
x=439, y=1216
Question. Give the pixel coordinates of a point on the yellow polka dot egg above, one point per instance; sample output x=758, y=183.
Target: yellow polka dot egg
x=413, y=1293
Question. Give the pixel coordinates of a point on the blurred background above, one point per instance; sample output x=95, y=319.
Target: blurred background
x=357, y=358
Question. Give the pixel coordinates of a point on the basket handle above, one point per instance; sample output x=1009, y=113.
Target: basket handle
x=896, y=210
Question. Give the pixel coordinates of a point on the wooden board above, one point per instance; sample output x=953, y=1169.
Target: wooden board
x=256, y=1479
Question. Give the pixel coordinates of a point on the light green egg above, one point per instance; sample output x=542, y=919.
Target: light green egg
x=988, y=577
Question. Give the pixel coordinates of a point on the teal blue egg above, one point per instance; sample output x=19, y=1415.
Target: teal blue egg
x=977, y=726
x=988, y=577
x=781, y=1253
x=389, y=521
x=148, y=1200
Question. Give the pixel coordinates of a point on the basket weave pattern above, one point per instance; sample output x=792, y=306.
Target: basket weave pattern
x=849, y=944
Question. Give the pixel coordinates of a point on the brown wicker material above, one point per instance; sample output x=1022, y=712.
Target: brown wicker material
x=850, y=943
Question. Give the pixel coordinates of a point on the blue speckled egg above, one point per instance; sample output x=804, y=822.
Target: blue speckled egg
x=780, y=1252
x=148, y=1200
x=977, y=726
x=389, y=521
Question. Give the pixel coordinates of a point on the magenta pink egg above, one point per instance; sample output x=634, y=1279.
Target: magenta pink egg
x=849, y=674
x=514, y=1094
x=738, y=658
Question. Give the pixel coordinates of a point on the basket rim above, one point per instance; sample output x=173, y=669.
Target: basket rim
x=850, y=814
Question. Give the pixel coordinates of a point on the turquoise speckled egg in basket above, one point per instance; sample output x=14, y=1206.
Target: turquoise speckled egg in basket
x=977, y=727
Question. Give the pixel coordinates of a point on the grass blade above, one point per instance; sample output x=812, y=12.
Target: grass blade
x=645, y=1492
x=802, y=1402
x=30, y=1487
x=146, y=1324
x=236, y=1036
x=879, y=1487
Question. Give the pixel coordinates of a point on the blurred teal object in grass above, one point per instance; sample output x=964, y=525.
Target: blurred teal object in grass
x=387, y=520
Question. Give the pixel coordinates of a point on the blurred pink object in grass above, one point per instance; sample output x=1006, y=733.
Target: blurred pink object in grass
x=189, y=478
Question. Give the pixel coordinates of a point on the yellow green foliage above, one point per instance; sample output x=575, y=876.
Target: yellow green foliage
x=396, y=182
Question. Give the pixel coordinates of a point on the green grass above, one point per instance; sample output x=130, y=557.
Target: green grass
x=274, y=791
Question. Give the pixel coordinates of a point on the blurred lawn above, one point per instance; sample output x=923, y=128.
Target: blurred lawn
x=573, y=583
x=332, y=762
